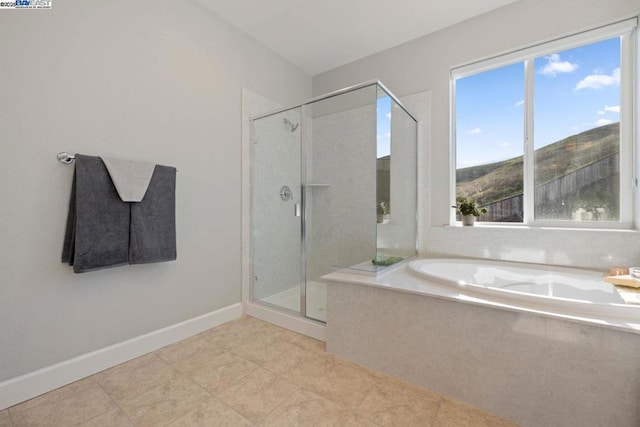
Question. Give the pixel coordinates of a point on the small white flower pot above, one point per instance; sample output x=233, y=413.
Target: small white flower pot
x=468, y=220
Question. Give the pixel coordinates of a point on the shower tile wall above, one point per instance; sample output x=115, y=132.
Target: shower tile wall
x=341, y=218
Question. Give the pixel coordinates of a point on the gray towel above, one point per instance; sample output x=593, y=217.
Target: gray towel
x=97, y=234
x=103, y=231
x=153, y=220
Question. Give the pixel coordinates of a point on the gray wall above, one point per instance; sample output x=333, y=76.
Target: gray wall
x=143, y=80
x=423, y=65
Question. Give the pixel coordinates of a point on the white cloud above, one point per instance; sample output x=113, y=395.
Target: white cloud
x=519, y=103
x=389, y=115
x=609, y=109
x=475, y=131
x=602, y=122
x=505, y=144
x=599, y=81
x=556, y=66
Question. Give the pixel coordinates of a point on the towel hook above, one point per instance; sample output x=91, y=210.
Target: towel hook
x=66, y=158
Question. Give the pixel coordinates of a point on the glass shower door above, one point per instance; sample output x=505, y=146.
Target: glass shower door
x=277, y=219
x=340, y=227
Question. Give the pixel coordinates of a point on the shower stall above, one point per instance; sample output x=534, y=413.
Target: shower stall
x=334, y=186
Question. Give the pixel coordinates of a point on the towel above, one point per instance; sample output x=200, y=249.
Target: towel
x=131, y=179
x=104, y=231
x=97, y=232
x=153, y=220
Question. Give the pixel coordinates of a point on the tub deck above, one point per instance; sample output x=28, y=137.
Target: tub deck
x=526, y=363
x=622, y=316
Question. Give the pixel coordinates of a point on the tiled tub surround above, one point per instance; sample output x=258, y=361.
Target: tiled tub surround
x=243, y=373
x=531, y=367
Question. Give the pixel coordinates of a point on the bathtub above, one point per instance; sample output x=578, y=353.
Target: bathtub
x=566, y=291
x=519, y=340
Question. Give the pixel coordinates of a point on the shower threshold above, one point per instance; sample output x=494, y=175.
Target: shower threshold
x=290, y=299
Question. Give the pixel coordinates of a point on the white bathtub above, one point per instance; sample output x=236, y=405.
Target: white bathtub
x=566, y=291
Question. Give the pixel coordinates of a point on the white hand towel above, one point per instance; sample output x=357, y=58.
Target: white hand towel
x=131, y=179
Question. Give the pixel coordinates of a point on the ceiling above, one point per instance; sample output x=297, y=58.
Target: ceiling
x=319, y=35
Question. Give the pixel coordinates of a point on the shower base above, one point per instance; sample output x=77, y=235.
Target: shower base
x=290, y=299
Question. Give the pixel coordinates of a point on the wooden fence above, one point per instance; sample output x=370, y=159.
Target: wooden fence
x=554, y=191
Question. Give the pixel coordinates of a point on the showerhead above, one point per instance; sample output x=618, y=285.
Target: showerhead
x=292, y=127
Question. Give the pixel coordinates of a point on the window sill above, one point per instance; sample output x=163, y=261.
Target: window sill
x=541, y=227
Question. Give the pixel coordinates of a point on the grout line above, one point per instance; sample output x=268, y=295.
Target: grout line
x=115, y=403
x=11, y=423
x=155, y=356
x=435, y=416
x=55, y=402
x=213, y=396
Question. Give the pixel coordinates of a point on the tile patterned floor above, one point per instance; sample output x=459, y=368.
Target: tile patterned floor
x=243, y=373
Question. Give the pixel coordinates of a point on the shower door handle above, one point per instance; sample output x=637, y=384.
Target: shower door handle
x=296, y=209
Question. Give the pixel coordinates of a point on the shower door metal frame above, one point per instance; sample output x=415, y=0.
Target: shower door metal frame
x=331, y=95
x=303, y=216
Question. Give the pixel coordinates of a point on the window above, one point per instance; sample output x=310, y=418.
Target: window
x=543, y=136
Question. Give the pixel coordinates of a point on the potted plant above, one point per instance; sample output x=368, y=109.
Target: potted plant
x=468, y=210
x=382, y=211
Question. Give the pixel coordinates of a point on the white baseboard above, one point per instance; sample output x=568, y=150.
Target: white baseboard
x=298, y=324
x=35, y=383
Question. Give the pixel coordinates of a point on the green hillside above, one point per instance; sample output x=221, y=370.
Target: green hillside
x=492, y=182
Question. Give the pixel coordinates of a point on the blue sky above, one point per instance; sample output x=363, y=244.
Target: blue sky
x=574, y=90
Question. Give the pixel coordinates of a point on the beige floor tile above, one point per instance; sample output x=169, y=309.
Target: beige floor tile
x=333, y=378
x=73, y=409
x=456, y=414
x=222, y=372
x=165, y=403
x=55, y=395
x=112, y=418
x=288, y=361
x=383, y=379
x=226, y=339
x=211, y=413
x=135, y=377
x=187, y=348
x=262, y=352
x=306, y=408
x=358, y=421
x=390, y=404
x=199, y=360
x=234, y=335
x=5, y=421
x=257, y=394
x=256, y=340
x=279, y=333
x=307, y=343
x=241, y=327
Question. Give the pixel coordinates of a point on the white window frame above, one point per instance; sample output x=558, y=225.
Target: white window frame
x=626, y=30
